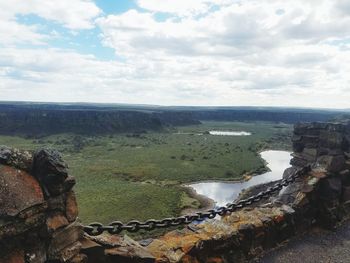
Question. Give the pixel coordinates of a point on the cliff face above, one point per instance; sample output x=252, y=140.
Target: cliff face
x=272, y=115
x=45, y=119
x=38, y=210
x=38, y=122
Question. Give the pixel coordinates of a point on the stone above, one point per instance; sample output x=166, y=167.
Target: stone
x=15, y=226
x=15, y=256
x=129, y=250
x=308, y=141
x=5, y=154
x=307, y=188
x=330, y=188
x=36, y=253
x=327, y=151
x=19, y=191
x=300, y=200
x=56, y=221
x=345, y=176
x=309, y=154
x=296, y=138
x=146, y=242
x=318, y=172
x=286, y=209
x=70, y=252
x=298, y=147
x=331, y=140
x=16, y=158
x=71, y=207
x=107, y=240
x=125, y=254
x=51, y=170
x=93, y=250
x=68, y=183
x=346, y=194
x=288, y=172
x=80, y=258
x=332, y=163
x=347, y=154
x=298, y=161
x=63, y=238
x=312, y=129
x=57, y=203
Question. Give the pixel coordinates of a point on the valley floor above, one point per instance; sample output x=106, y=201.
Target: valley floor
x=139, y=176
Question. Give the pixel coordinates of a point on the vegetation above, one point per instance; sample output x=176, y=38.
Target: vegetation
x=139, y=176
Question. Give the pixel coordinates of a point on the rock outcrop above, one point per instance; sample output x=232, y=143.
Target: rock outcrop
x=38, y=210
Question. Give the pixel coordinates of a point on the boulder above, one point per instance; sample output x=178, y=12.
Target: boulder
x=71, y=207
x=16, y=158
x=56, y=221
x=332, y=163
x=331, y=140
x=51, y=171
x=19, y=191
x=64, y=238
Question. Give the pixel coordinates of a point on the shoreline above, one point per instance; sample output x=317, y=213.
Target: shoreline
x=207, y=203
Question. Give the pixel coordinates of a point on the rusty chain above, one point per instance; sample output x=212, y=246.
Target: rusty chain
x=95, y=229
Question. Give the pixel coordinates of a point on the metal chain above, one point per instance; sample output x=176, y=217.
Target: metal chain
x=95, y=229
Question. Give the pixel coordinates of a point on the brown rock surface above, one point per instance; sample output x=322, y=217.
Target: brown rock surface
x=71, y=207
x=55, y=222
x=64, y=238
x=16, y=256
x=18, y=191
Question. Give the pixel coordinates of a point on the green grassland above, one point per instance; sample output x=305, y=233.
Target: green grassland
x=139, y=176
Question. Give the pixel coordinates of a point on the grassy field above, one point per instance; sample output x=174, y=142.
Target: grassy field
x=138, y=176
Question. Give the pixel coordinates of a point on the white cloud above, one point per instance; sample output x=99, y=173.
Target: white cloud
x=207, y=52
x=181, y=7
x=272, y=48
x=72, y=14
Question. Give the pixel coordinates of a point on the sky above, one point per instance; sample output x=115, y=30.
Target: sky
x=293, y=53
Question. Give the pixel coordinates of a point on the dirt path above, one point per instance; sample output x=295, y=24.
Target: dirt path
x=317, y=246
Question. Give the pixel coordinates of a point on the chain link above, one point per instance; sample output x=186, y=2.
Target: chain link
x=95, y=229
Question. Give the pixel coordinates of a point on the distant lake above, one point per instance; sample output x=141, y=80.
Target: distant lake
x=225, y=192
x=230, y=133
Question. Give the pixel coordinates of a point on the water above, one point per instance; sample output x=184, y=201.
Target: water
x=230, y=133
x=225, y=192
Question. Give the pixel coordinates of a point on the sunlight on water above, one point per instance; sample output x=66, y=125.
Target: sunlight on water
x=223, y=193
x=230, y=133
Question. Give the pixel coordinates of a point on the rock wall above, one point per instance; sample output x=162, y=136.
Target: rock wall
x=38, y=210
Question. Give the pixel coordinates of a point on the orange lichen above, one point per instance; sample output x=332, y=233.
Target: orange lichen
x=215, y=260
x=279, y=218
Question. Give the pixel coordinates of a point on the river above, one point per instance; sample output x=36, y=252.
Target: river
x=224, y=192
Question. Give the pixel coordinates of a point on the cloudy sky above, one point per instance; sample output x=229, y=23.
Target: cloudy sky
x=177, y=52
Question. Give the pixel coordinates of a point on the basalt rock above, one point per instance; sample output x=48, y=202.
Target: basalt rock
x=16, y=158
x=18, y=192
x=38, y=210
x=51, y=171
